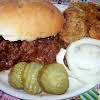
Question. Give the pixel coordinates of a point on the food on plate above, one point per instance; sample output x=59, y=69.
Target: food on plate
x=83, y=58
x=92, y=11
x=75, y=25
x=34, y=78
x=92, y=14
x=53, y=79
x=61, y=59
x=30, y=75
x=41, y=50
x=28, y=32
x=15, y=75
x=95, y=30
x=79, y=18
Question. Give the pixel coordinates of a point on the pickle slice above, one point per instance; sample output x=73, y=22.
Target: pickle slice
x=15, y=75
x=53, y=79
x=30, y=81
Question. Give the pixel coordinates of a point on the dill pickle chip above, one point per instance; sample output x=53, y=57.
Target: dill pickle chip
x=53, y=79
x=15, y=75
x=30, y=81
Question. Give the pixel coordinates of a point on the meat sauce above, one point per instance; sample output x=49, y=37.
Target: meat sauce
x=42, y=50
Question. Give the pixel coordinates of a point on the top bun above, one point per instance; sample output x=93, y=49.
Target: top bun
x=29, y=19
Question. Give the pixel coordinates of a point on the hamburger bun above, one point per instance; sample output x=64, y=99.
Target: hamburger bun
x=29, y=19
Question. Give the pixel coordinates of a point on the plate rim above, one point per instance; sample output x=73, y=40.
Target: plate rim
x=59, y=98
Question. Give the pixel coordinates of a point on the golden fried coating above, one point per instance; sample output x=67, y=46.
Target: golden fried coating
x=92, y=14
x=95, y=30
x=75, y=26
x=79, y=18
x=89, y=8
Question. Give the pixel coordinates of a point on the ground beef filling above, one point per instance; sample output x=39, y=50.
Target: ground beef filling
x=43, y=51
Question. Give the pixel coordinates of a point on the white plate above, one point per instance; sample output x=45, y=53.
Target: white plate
x=76, y=88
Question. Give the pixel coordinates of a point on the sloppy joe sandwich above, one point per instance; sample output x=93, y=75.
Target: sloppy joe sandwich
x=29, y=32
